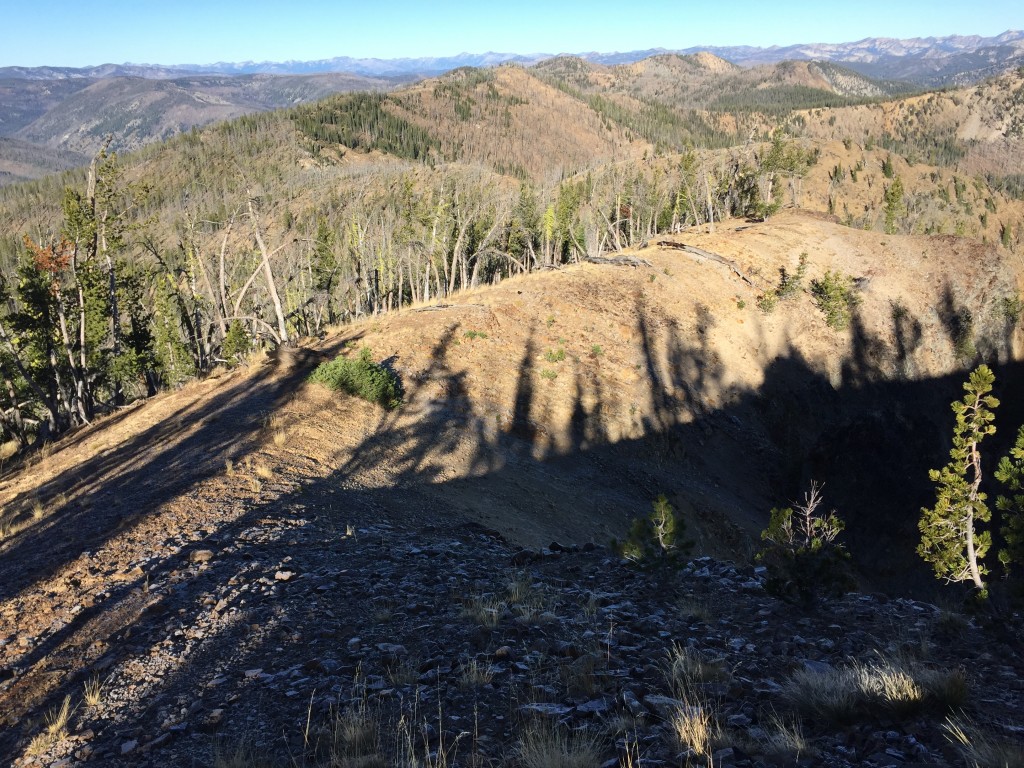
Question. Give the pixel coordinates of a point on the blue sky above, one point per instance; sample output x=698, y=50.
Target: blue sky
x=83, y=32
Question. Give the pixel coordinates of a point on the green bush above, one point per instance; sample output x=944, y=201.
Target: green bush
x=800, y=551
x=835, y=296
x=790, y=284
x=361, y=377
x=555, y=356
x=237, y=343
x=657, y=539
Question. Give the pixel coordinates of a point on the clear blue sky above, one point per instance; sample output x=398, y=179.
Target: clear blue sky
x=83, y=32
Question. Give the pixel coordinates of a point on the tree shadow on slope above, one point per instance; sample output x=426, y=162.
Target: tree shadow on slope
x=871, y=439
x=107, y=492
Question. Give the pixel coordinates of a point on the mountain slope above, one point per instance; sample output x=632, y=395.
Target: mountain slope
x=138, y=111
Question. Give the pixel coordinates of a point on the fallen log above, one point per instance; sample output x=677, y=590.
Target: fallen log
x=701, y=253
x=619, y=261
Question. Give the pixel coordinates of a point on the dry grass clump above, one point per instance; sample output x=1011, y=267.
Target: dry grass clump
x=485, y=610
x=92, y=692
x=687, y=671
x=263, y=471
x=56, y=728
x=695, y=727
x=355, y=739
x=549, y=747
x=405, y=672
x=981, y=749
x=844, y=694
x=784, y=739
x=475, y=675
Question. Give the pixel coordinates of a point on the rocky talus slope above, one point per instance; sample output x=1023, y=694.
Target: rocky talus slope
x=280, y=633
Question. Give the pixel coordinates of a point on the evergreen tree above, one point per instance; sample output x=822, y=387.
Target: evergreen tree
x=893, y=205
x=325, y=264
x=1010, y=473
x=950, y=540
x=657, y=539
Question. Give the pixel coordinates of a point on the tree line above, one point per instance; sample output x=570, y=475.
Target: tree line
x=140, y=275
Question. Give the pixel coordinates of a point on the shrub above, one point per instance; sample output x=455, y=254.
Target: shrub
x=657, y=539
x=236, y=344
x=361, y=377
x=555, y=356
x=1010, y=308
x=800, y=550
x=790, y=284
x=835, y=296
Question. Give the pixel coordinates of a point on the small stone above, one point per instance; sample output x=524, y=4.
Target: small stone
x=251, y=673
x=662, y=705
x=284, y=575
x=545, y=710
x=595, y=707
x=631, y=703
x=129, y=746
x=201, y=556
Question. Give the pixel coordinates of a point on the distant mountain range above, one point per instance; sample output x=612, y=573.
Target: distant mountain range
x=929, y=61
x=56, y=117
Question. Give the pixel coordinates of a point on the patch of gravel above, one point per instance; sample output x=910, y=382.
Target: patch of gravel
x=273, y=627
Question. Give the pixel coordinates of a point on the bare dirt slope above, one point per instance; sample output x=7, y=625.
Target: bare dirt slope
x=549, y=407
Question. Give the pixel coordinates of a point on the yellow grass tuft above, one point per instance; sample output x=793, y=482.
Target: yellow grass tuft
x=549, y=747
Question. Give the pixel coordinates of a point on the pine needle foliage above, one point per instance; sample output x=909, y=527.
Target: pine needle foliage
x=950, y=541
x=658, y=539
x=835, y=295
x=800, y=550
x=361, y=377
x=1010, y=473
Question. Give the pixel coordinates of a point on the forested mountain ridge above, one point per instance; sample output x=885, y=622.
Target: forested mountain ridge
x=276, y=225
x=75, y=115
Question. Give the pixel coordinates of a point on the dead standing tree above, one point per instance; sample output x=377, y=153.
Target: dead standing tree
x=281, y=334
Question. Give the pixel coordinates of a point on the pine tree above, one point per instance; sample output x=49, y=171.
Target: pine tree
x=1010, y=473
x=893, y=205
x=949, y=538
x=657, y=539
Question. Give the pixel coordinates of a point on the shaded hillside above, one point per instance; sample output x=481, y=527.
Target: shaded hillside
x=620, y=380
x=172, y=547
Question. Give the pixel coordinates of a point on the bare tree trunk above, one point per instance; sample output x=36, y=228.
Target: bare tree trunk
x=268, y=274
x=14, y=422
